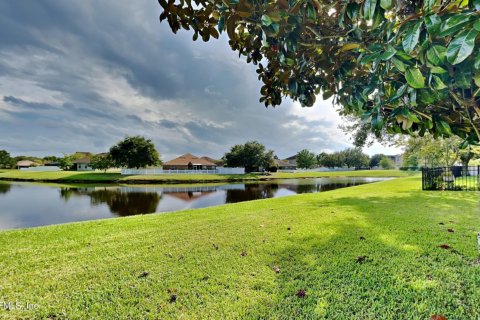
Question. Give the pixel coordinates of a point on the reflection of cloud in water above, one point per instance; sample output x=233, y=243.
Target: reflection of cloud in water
x=29, y=204
x=8, y=221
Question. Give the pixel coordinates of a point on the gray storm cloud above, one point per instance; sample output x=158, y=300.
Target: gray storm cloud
x=82, y=75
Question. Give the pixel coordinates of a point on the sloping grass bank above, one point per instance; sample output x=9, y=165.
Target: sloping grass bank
x=365, y=252
x=75, y=176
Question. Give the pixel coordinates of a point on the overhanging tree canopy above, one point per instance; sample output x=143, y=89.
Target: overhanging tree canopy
x=404, y=66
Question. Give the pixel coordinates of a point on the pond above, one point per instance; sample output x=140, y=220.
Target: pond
x=34, y=204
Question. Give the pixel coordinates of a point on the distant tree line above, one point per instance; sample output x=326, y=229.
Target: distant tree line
x=9, y=162
x=139, y=152
x=131, y=152
x=350, y=158
x=427, y=151
x=253, y=156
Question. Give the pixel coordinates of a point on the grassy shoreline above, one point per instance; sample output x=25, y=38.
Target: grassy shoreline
x=362, y=252
x=88, y=177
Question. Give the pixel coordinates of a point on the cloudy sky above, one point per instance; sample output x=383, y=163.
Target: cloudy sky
x=81, y=75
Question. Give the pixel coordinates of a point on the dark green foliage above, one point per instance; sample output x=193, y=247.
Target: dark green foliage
x=375, y=160
x=330, y=160
x=135, y=152
x=351, y=158
x=387, y=163
x=252, y=156
x=66, y=163
x=50, y=159
x=306, y=159
x=354, y=158
x=6, y=162
x=403, y=66
x=102, y=162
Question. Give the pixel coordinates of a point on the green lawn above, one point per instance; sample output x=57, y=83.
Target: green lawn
x=365, y=252
x=62, y=176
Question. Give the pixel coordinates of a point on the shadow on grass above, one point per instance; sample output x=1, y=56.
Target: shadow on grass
x=92, y=176
x=371, y=267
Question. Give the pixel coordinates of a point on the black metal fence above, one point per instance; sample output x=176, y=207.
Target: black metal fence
x=451, y=178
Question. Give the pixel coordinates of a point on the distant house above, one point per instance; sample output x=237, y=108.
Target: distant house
x=82, y=164
x=286, y=165
x=52, y=164
x=397, y=159
x=26, y=164
x=219, y=163
x=189, y=162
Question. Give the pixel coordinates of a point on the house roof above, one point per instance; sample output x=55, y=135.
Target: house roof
x=26, y=163
x=83, y=160
x=189, y=158
x=209, y=159
x=284, y=163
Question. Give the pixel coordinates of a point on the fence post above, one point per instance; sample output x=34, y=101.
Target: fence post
x=423, y=178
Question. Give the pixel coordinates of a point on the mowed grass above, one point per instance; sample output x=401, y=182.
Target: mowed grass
x=366, y=252
x=358, y=173
x=62, y=176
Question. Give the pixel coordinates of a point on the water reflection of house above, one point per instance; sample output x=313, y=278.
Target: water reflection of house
x=189, y=162
x=189, y=195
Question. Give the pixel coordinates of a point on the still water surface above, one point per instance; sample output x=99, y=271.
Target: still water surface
x=33, y=204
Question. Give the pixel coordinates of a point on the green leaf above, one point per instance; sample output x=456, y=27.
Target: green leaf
x=462, y=46
x=352, y=10
x=476, y=79
x=453, y=24
x=293, y=86
x=378, y=18
x=428, y=4
x=327, y=94
x=415, y=78
x=429, y=124
x=476, y=64
x=399, y=64
x=433, y=23
x=400, y=92
x=477, y=4
x=437, y=70
x=444, y=127
x=411, y=37
x=377, y=121
x=311, y=12
x=437, y=83
x=388, y=54
x=476, y=25
x=427, y=96
x=413, y=117
x=369, y=9
x=436, y=55
x=463, y=77
x=221, y=24
x=386, y=4
x=266, y=21
x=213, y=32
